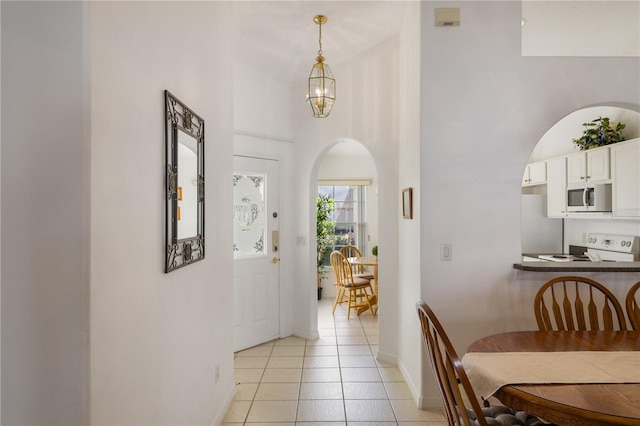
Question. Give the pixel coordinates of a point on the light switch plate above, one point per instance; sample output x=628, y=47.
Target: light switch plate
x=446, y=252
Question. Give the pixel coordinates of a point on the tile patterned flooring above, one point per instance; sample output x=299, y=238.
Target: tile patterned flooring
x=335, y=380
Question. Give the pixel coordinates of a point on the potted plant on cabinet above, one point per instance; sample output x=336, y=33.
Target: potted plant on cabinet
x=325, y=234
x=599, y=132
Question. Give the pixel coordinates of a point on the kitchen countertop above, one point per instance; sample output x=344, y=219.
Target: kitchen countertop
x=578, y=266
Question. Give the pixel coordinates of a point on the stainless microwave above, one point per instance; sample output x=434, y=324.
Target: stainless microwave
x=589, y=198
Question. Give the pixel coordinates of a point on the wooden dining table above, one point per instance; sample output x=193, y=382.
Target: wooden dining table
x=597, y=404
x=368, y=261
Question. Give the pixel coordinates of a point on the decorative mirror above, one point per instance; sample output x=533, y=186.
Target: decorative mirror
x=184, y=137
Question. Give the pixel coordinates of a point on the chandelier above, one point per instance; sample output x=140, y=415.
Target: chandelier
x=322, y=86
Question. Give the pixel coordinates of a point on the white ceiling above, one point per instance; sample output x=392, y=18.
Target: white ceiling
x=281, y=39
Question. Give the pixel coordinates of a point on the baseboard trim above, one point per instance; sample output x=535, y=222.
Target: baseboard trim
x=225, y=407
x=386, y=357
x=306, y=334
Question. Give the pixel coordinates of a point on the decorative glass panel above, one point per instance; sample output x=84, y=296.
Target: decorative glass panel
x=249, y=215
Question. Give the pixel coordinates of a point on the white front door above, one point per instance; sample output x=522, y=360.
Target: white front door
x=256, y=283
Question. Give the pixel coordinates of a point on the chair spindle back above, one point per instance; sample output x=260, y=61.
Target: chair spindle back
x=577, y=303
x=633, y=306
x=353, y=251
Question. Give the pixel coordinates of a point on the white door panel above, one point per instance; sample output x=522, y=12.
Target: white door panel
x=256, y=274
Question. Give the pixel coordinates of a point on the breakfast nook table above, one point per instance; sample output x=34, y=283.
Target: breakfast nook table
x=565, y=377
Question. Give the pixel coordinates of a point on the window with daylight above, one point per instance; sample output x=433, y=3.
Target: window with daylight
x=349, y=214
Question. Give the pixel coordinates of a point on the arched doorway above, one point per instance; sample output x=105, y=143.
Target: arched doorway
x=347, y=173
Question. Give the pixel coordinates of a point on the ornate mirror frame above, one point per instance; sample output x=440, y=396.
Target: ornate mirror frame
x=181, y=123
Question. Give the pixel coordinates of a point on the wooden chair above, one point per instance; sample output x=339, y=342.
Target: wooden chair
x=633, y=306
x=355, y=292
x=570, y=299
x=461, y=405
x=358, y=270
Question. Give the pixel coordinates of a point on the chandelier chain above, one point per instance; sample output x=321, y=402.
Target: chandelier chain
x=320, y=40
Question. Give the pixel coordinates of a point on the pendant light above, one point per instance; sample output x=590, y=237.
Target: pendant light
x=322, y=86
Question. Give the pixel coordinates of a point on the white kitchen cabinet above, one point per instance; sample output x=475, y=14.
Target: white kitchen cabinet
x=625, y=164
x=535, y=174
x=557, y=187
x=588, y=166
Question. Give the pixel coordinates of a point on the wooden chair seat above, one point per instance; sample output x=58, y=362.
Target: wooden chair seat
x=365, y=276
x=357, y=281
x=577, y=303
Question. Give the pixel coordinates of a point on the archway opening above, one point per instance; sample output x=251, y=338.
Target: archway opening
x=548, y=226
x=347, y=174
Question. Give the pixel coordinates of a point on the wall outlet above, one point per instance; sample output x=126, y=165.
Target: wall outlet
x=446, y=251
x=216, y=373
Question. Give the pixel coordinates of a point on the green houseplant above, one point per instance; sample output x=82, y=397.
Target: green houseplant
x=599, y=132
x=374, y=251
x=325, y=234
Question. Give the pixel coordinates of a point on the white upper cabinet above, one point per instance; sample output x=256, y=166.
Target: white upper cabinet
x=625, y=163
x=535, y=174
x=588, y=166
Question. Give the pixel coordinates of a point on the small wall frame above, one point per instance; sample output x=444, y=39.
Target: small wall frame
x=407, y=203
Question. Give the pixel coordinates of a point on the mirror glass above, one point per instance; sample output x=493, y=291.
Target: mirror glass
x=187, y=214
x=184, y=134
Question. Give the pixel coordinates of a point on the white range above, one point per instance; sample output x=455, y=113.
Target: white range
x=604, y=248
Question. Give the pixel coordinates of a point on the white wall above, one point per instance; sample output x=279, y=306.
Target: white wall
x=45, y=181
x=260, y=105
x=409, y=170
x=484, y=107
x=156, y=338
x=566, y=28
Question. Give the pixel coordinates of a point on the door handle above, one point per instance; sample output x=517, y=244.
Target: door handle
x=275, y=260
x=275, y=240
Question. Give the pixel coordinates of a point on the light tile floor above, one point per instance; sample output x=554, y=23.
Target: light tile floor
x=334, y=380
